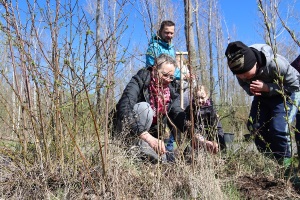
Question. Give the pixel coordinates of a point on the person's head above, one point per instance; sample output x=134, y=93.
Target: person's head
x=241, y=60
x=166, y=31
x=201, y=95
x=165, y=68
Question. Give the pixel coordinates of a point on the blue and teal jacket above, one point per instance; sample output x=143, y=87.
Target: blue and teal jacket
x=156, y=47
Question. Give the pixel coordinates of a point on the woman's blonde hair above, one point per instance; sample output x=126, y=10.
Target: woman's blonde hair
x=200, y=88
x=164, y=58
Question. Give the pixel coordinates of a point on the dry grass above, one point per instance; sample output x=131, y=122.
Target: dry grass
x=241, y=173
x=127, y=178
x=228, y=175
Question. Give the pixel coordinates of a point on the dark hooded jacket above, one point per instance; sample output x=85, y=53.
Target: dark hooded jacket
x=137, y=90
x=268, y=72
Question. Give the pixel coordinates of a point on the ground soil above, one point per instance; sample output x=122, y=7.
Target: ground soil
x=261, y=187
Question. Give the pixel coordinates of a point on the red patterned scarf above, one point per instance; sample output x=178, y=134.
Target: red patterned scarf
x=159, y=98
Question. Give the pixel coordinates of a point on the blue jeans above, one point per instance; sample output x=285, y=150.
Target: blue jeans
x=268, y=122
x=170, y=148
x=170, y=143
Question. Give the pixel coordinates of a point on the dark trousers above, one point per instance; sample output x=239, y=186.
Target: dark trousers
x=297, y=133
x=269, y=123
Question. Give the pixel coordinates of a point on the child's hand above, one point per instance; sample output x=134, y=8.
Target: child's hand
x=258, y=86
x=210, y=146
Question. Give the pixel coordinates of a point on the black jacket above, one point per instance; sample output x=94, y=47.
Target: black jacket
x=137, y=90
x=207, y=123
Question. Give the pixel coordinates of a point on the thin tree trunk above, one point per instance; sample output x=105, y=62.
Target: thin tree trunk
x=221, y=67
x=200, y=49
x=189, y=34
x=211, y=64
x=192, y=59
x=98, y=60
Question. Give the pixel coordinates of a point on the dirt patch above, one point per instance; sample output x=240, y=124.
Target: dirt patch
x=259, y=187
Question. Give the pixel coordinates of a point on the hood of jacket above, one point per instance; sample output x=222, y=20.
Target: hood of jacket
x=156, y=39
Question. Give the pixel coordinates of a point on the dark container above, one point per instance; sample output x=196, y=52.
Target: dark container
x=228, y=137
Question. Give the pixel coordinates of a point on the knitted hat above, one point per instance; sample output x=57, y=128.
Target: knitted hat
x=240, y=57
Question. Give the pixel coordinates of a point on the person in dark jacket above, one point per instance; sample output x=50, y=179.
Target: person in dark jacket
x=147, y=107
x=274, y=83
x=205, y=116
